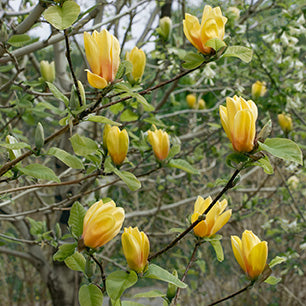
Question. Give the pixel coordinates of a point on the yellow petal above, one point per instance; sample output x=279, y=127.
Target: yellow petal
x=221, y=221
x=249, y=240
x=92, y=53
x=237, y=250
x=257, y=259
x=95, y=80
x=192, y=29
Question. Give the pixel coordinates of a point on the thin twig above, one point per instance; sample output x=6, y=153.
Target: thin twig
x=101, y=271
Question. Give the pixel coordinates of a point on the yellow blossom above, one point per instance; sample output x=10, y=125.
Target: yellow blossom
x=212, y=26
x=258, y=89
x=215, y=218
x=238, y=119
x=102, y=53
x=201, y=104
x=159, y=141
x=136, y=248
x=138, y=59
x=191, y=100
x=285, y=122
x=102, y=223
x=251, y=253
x=117, y=143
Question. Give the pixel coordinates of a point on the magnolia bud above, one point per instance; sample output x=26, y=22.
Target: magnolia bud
x=165, y=27
x=47, y=71
x=39, y=136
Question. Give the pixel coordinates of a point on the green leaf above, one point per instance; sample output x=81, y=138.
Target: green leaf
x=57, y=94
x=76, y=262
x=64, y=251
x=83, y=145
x=66, y=158
x=183, y=165
x=149, y=294
x=128, y=115
x=265, y=164
x=272, y=280
x=116, y=108
x=15, y=146
x=175, y=149
x=140, y=99
x=118, y=281
x=283, y=148
x=131, y=303
x=129, y=178
x=125, y=67
x=244, y=53
x=102, y=119
x=216, y=244
x=192, y=60
x=37, y=227
x=235, y=158
x=77, y=214
x=215, y=43
x=19, y=40
x=276, y=261
x=156, y=272
x=108, y=165
x=40, y=172
x=62, y=17
x=90, y=295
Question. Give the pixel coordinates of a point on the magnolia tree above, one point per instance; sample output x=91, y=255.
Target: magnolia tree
x=139, y=131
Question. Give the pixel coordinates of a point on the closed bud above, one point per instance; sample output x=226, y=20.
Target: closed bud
x=136, y=248
x=74, y=102
x=250, y=253
x=165, y=27
x=258, y=89
x=233, y=12
x=191, y=100
x=3, y=33
x=285, y=122
x=201, y=104
x=103, y=55
x=82, y=92
x=39, y=136
x=138, y=60
x=102, y=222
x=171, y=291
x=212, y=26
x=215, y=218
x=238, y=119
x=117, y=143
x=159, y=140
x=293, y=181
x=12, y=153
x=106, y=129
x=47, y=71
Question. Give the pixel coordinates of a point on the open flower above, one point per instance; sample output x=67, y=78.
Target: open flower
x=136, y=248
x=258, y=89
x=215, y=218
x=101, y=224
x=138, y=59
x=102, y=53
x=212, y=26
x=117, y=143
x=251, y=253
x=238, y=119
x=159, y=141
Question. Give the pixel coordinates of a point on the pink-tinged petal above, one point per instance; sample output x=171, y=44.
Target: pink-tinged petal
x=238, y=253
x=192, y=29
x=95, y=80
x=257, y=259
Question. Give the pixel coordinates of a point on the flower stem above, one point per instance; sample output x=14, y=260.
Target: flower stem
x=101, y=271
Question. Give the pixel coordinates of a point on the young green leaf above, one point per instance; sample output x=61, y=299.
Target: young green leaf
x=272, y=280
x=102, y=119
x=276, y=261
x=129, y=178
x=64, y=251
x=156, y=272
x=215, y=43
x=57, y=94
x=118, y=281
x=193, y=60
x=76, y=262
x=216, y=244
x=77, y=214
x=183, y=165
x=40, y=172
x=83, y=145
x=90, y=295
x=66, y=158
x=244, y=53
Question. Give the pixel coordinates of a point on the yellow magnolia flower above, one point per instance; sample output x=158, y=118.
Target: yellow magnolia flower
x=102, y=53
x=47, y=71
x=215, y=218
x=285, y=122
x=117, y=143
x=138, y=59
x=258, y=89
x=191, y=100
x=212, y=26
x=106, y=129
x=238, y=119
x=201, y=104
x=251, y=253
x=159, y=140
x=136, y=248
x=102, y=223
